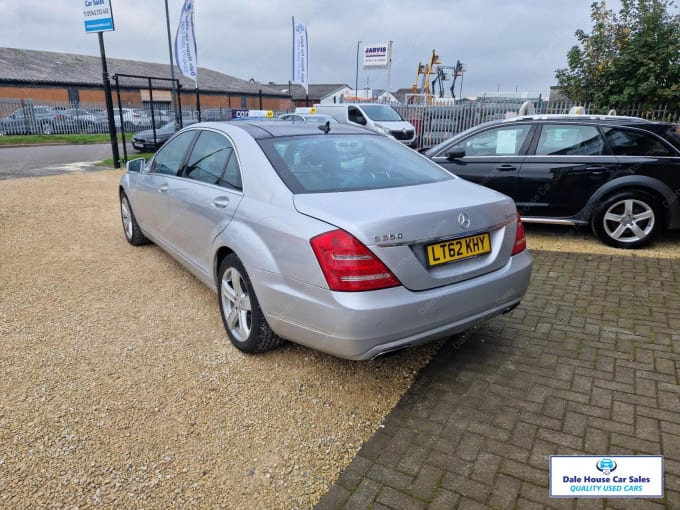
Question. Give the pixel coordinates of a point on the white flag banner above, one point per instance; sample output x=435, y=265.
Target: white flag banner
x=186, y=56
x=300, y=54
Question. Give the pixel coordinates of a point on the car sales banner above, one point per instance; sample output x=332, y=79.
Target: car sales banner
x=622, y=476
x=300, y=54
x=98, y=16
x=185, y=42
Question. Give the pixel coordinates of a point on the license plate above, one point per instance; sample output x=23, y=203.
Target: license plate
x=458, y=249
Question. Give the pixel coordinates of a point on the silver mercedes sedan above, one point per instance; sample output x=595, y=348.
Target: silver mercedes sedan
x=330, y=236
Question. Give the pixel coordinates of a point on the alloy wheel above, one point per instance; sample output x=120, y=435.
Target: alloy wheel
x=236, y=304
x=629, y=220
x=126, y=216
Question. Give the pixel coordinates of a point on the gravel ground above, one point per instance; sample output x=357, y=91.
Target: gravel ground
x=582, y=240
x=120, y=389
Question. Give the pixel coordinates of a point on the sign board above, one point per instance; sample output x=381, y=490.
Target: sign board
x=98, y=16
x=588, y=476
x=268, y=114
x=377, y=56
x=238, y=114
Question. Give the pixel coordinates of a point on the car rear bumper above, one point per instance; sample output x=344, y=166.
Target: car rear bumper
x=365, y=325
x=144, y=146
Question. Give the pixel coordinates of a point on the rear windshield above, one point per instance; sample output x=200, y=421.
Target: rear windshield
x=331, y=163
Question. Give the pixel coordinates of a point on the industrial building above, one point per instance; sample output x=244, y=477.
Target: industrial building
x=51, y=77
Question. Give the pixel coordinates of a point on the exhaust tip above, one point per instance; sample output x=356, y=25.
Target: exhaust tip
x=391, y=352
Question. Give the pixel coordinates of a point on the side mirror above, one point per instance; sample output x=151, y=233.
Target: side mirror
x=456, y=152
x=136, y=165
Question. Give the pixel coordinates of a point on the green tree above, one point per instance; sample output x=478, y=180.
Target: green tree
x=629, y=58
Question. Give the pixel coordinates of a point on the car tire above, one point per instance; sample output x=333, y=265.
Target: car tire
x=242, y=316
x=131, y=229
x=129, y=127
x=46, y=129
x=629, y=219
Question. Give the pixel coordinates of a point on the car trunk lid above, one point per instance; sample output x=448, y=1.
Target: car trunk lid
x=415, y=230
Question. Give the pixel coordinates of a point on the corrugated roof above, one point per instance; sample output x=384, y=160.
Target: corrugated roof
x=47, y=67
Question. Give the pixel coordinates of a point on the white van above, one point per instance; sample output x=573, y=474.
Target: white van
x=378, y=117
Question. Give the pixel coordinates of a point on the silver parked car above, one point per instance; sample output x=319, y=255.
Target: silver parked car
x=345, y=241
x=308, y=117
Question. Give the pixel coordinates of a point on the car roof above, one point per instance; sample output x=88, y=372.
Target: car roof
x=666, y=130
x=581, y=119
x=260, y=129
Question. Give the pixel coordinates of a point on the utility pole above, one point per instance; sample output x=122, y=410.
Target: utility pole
x=109, y=103
x=356, y=76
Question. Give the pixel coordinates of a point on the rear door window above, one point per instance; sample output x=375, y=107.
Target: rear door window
x=209, y=158
x=569, y=140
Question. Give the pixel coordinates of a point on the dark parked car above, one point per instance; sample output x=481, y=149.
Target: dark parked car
x=620, y=175
x=145, y=141
x=33, y=120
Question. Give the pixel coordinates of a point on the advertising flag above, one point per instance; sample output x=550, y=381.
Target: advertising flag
x=300, y=54
x=185, y=42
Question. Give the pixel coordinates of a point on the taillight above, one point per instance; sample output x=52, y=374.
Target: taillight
x=520, y=237
x=348, y=265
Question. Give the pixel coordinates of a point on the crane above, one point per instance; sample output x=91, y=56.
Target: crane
x=424, y=90
x=442, y=76
x=425, y=70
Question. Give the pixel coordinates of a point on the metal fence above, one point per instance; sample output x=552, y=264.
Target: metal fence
x=433, y=123
x=437, y=123
x=26, y=117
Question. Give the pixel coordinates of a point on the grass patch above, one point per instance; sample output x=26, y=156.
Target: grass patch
x=131, y=156
x=47, y=139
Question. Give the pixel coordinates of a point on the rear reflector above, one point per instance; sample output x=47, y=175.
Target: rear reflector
x=348, y=265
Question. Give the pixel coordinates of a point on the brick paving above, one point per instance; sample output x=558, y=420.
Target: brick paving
x=588, y=364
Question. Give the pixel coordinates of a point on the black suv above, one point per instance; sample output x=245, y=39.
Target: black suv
x=620, y=175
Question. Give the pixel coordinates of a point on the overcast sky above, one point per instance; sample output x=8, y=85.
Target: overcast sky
x=506, y=45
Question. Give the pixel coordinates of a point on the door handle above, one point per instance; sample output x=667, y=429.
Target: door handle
x=220, y=202
x=163, y=188
x=506, y=168
x=596, y=170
